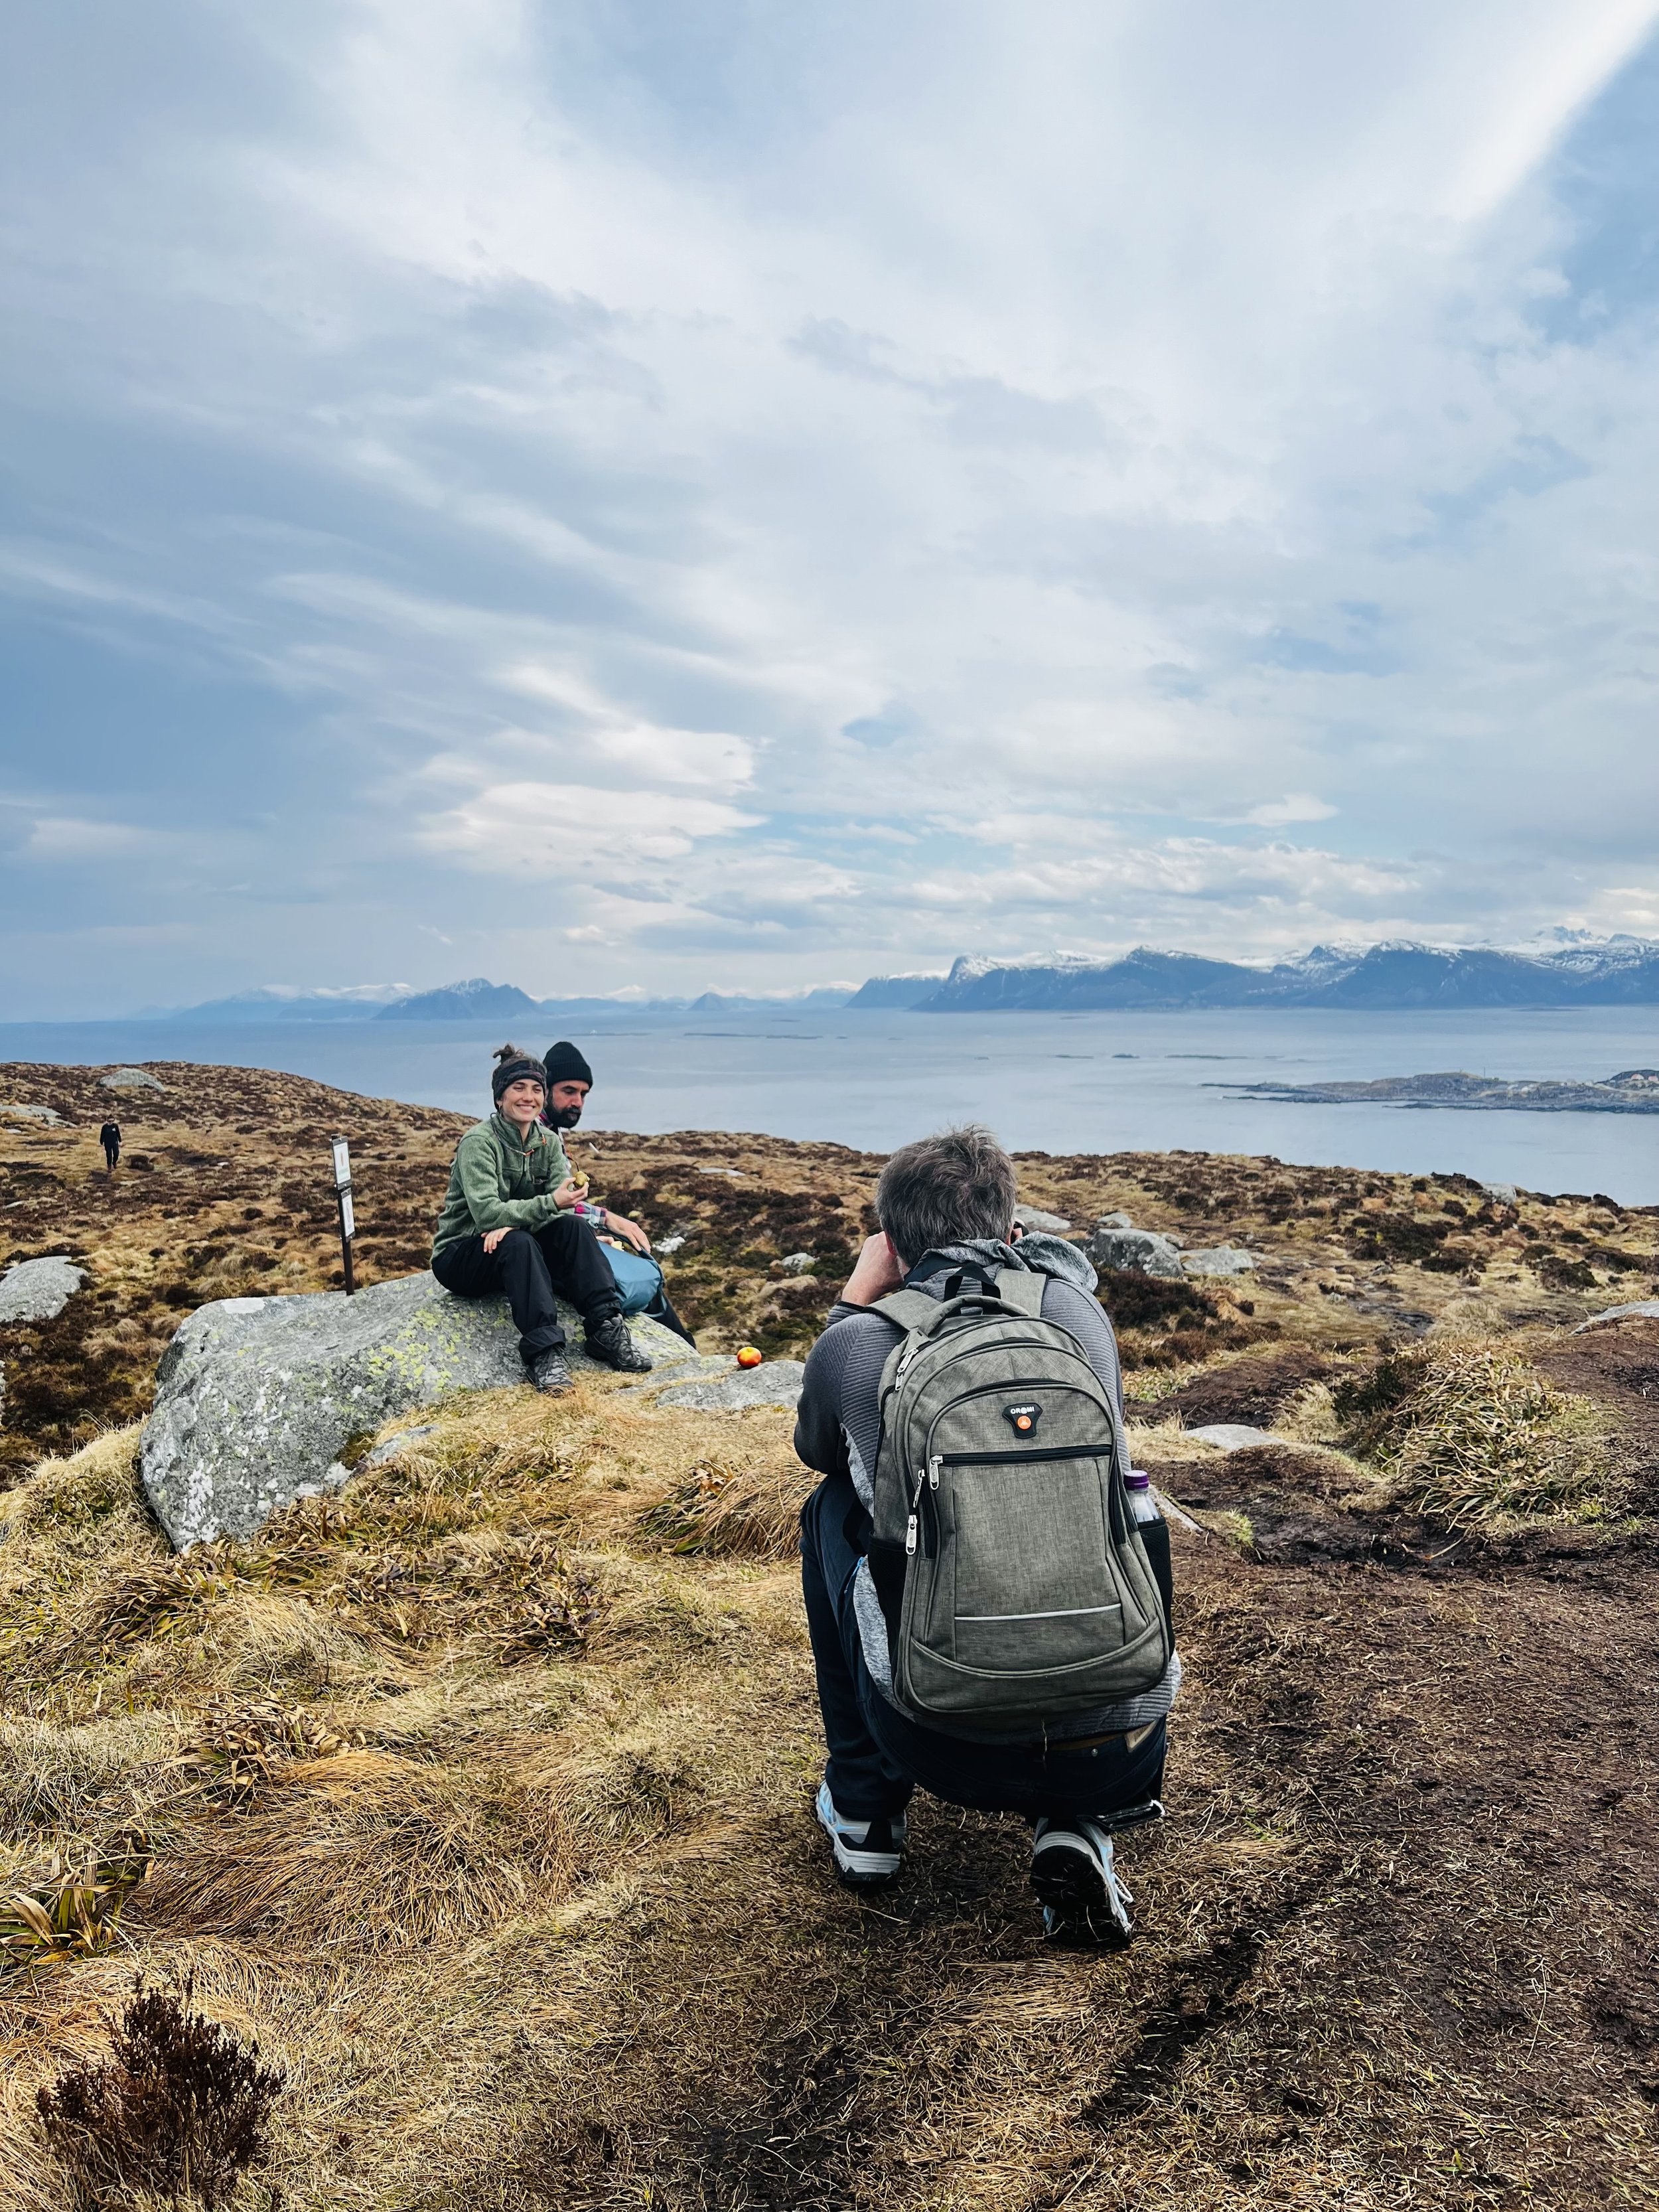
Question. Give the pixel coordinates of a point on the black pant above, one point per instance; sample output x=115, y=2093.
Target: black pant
x=878, y=1756
x=112, y=1154
x=531, y=1266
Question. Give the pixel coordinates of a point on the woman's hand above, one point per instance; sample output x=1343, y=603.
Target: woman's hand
x=492, y=1238
x=876, y=1271
x=567, y=1193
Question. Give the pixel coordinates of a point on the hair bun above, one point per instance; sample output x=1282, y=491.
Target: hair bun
x=506, y=1052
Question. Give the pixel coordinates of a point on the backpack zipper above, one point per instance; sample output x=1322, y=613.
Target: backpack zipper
x=1007, y=1458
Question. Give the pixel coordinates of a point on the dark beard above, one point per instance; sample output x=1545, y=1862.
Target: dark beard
x=564, y=1117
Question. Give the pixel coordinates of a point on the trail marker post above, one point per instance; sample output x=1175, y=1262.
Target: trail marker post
x=342, y=1151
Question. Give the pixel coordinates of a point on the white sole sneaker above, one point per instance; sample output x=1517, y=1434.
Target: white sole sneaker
x=1074, y=1874
x=867, y=1852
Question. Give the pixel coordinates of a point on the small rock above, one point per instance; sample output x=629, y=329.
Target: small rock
x=1136, y=1252
x=129, y=1078
x=733, y=1175
x=41, y=1113
x=1640, y=1310
x=38, y=1290
x=667, y=1244
x=1218, y=1259
x=1233, y=1435
x=1504, y=1193
x=1115, y=1221
x=1033, y=1218
x=776, y=1382
x=798, y=1263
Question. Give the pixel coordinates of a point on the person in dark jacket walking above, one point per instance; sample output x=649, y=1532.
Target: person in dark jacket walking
x=110, y=1137
x=509, y=1225
x=945, y=1203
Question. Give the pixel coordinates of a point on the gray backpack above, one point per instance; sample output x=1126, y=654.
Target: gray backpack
x=1012, y=1572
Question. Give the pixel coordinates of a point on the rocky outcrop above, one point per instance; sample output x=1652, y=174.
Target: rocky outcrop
x=1218, y=1259
x=1034, y=1218
x=1636, y=1310
x=1134, y=1251
x=38, y=1290
x=129, y=1078
x=258, y=1399
x=728, y=1389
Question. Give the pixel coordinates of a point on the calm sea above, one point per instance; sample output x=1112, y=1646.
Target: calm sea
x=1061, y=1083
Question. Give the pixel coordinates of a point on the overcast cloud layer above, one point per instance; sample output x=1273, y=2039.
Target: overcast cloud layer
x=748, y=495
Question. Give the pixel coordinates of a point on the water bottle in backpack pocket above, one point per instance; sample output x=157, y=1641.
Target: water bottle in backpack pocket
x=1012, y=1574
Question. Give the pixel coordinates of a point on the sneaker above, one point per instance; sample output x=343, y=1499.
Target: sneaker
x=1083, y=1900
x=610, y=1341
x=866, y=1851
x=551, y=1376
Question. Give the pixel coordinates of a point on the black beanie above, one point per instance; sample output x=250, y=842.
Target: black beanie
x=564, y=1064
x=511, y=1067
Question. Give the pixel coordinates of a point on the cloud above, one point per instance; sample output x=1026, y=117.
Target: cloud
x=1294, y=806
x=805, y=487
x=575, y=830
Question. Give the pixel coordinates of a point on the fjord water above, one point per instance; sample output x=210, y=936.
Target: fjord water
x=1058, y=1083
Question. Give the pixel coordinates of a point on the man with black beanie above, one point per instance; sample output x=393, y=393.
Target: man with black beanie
x=569, y=1079
x=510, y=1223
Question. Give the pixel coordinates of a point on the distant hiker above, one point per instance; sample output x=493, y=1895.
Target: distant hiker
x=110, y=1137
x=639, y=1281
x=509, y=1223
x=987, y=1583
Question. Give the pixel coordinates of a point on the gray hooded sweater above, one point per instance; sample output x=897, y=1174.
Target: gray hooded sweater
x=838, y=1426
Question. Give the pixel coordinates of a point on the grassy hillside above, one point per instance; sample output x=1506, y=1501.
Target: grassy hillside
x=479, y=1794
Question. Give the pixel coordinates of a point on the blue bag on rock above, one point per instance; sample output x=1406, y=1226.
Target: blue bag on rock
x=638, y=1279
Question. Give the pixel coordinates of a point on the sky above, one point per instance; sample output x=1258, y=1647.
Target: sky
x=624, y=495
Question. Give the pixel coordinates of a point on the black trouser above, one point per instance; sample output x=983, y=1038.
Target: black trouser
x=112, y=1154
x=530, y=1267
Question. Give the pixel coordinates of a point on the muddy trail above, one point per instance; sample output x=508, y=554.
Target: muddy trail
x=480, y=1794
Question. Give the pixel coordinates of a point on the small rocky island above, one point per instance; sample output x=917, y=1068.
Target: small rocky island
x=1635, y=1090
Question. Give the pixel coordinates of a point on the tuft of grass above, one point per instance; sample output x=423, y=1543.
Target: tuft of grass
x=1471, y=1433
x=245, y=1743
x=749, y=1511
x=62, y=1912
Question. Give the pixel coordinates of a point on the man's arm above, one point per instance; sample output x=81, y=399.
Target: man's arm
x=820, y=1440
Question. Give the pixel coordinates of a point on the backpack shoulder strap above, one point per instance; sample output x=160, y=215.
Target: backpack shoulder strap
x=912, y=1310
x=1022, y=1289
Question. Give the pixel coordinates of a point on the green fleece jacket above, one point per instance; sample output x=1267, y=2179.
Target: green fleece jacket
x=499, y=1182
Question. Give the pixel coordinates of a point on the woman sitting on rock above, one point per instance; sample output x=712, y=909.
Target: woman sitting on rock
x=508, y=1224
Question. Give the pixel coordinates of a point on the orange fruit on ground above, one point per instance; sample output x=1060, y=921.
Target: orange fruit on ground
x=748, y=1357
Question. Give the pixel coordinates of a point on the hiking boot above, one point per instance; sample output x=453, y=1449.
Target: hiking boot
x=866, y=1851
x=610, y=1340
x=1083, y=1900
x=551, y=1376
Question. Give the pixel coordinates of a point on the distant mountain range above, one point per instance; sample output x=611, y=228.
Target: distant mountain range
x=1618, y=972
x=1378, y=978
x=901, y=990
x=275, y=1002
